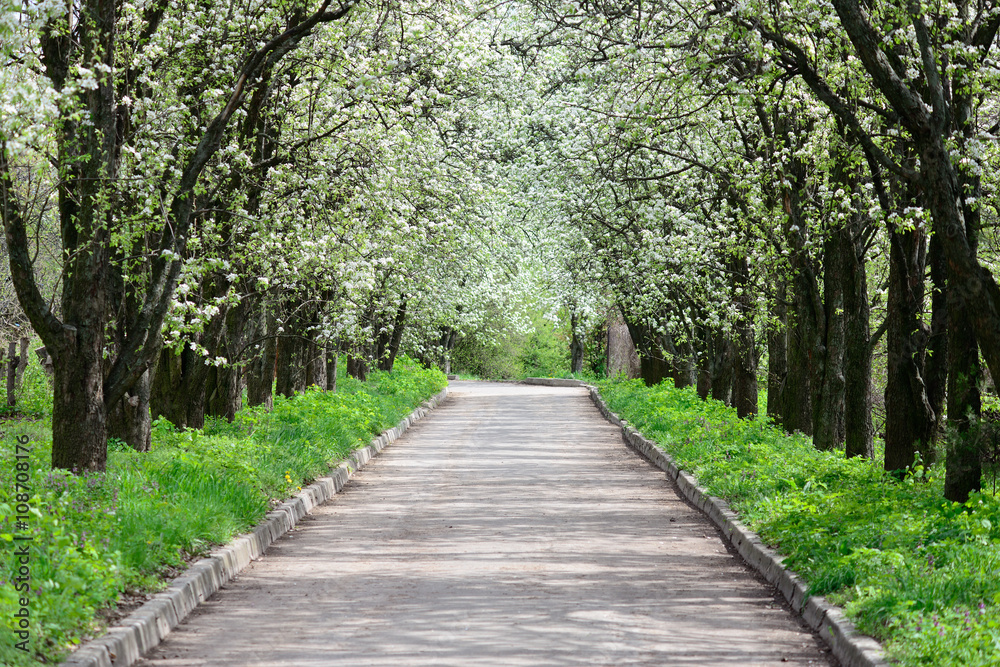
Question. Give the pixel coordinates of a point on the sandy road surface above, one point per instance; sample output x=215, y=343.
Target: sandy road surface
x=510, y=527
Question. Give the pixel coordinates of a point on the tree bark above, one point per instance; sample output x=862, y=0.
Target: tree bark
x=12, y=374
x=177, y=391
x=796, y=393
x=260, y=373
x=290, y=367
x=129, y=419
x=744, y=393
x=963, y=465
x=828, y=380
x=332, y=355
x=178, y=388
x=723, y=360
x=22, y=361
x=777, y=358
x=936, y=357
x=653, y=365
x=449, y=337
x=963, y=472
x=681, y=359
x=576, y=348
x=909, y=418
x=315, y=365
x=858, y=432
x=224, y=391
x=395, y=340
x=79, y=416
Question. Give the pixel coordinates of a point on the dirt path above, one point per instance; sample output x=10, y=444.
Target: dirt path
x=510, y=527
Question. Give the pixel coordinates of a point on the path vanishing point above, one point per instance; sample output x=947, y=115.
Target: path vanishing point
x=510, y=527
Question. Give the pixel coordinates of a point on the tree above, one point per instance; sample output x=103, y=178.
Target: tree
x=81, y=50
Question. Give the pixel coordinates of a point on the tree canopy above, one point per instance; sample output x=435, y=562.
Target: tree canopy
x=797, y=197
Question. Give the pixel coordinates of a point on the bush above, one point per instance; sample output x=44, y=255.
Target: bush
x=493, y=359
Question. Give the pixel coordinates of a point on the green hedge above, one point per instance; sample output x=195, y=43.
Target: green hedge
x=97, y=536
x=918, y=572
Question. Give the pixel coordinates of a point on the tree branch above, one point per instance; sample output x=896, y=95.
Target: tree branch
x=22, y=271
x=795, y=56
x=138, y=351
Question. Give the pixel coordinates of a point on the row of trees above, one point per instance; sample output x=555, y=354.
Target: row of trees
x=239, y=194
x=810, y=182
x=235, y=190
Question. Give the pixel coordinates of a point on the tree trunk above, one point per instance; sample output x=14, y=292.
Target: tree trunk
x=12, y=373
x=79, y=416
x=796, y=393
x=332, y=355
x=683, y=368
x=858, y=432
x=180, y=394
x=963, y=473
x=723, y=359
x=22, y=361
x=4, y=363
x=392, y=349
x=936, y=357
x=449, y=337
x=744, y=395
x=575, y=344
x=777, y=358
x=963, y=465
x=177, y=391
x=315, y=365
x=129, y=419
x=289, y=369
x=260, y=373
x=653, y=366
x=703, y=386
x=909, y=418
x=828, y=354
x=357, y=367
x=224, y=391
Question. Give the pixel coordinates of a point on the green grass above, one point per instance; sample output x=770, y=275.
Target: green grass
x=95, y=537
x=917, y=572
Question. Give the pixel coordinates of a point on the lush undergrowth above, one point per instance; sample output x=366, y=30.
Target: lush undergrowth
x=919, y=573
x=96, y=537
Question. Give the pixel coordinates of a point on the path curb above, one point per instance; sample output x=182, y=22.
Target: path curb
x=555, y=382
x=147, y=626
x=850, y=647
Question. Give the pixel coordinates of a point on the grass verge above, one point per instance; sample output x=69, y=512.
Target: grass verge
x=95, y=538
x=917, y=572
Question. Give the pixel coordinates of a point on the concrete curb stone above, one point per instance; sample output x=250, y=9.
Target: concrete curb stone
x=554, y=382
x=147, y=626
x=849, y=646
